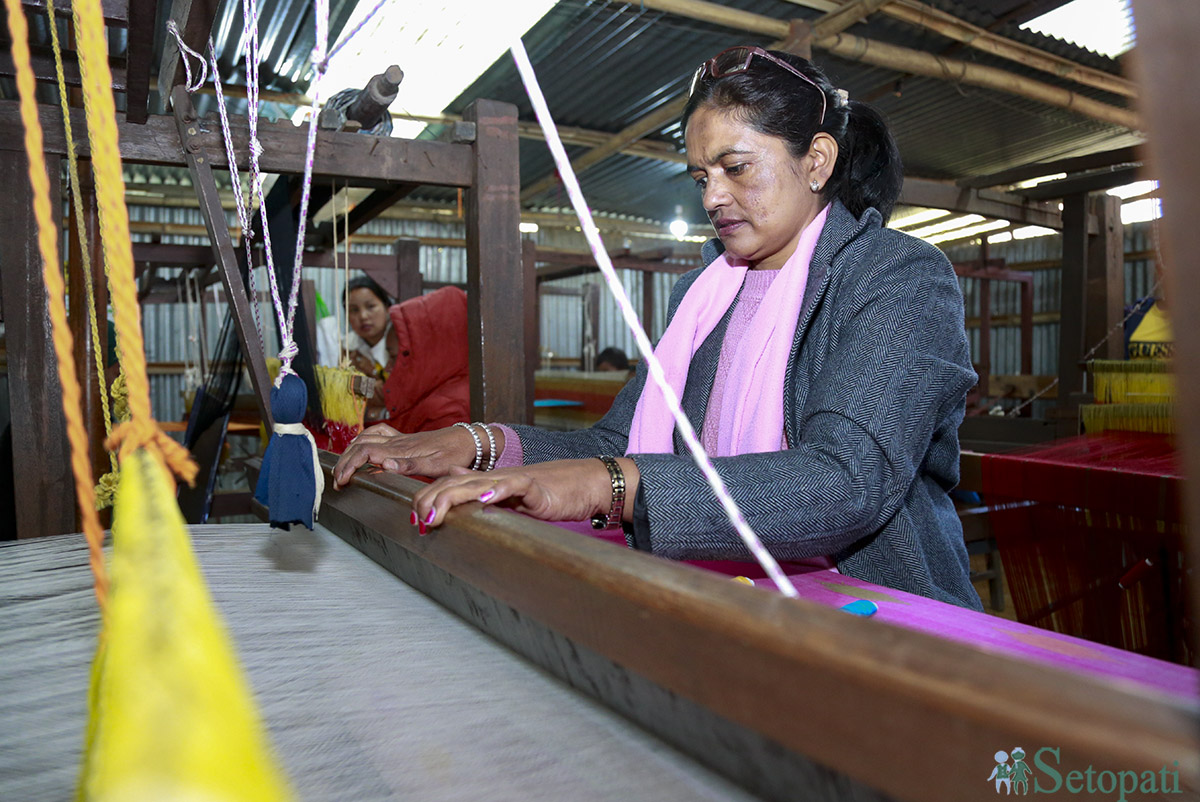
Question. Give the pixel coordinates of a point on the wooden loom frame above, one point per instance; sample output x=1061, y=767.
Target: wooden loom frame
x=789, y=698
x=482, y=162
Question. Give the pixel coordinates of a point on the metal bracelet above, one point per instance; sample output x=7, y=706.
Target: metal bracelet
x=491, y=445
x=617, y=509
x=478, y=445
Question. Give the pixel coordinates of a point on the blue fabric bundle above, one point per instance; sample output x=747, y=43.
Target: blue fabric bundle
x=291, y=482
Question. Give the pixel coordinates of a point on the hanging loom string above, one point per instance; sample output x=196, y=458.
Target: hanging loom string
x=55, y=291
x=104, y=488
x=592, y=233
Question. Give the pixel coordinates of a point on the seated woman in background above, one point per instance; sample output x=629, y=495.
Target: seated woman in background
x=415, y=350
x=821, y=356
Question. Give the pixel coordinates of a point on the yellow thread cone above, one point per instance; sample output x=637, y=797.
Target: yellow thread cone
x=172, y=717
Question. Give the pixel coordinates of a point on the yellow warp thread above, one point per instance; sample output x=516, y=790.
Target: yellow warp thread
x=179, y=721
x=1152, y=418
x=339, y=402
x=55, y=290
x=1143, y=381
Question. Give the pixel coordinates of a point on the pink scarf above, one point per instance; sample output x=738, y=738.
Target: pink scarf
x=752, y=413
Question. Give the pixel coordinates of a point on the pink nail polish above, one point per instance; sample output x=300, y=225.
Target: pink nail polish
x=432, y=514
x=412, y=519
x=487, y=495
x=421, y=528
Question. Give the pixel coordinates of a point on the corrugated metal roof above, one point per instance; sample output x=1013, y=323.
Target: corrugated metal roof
x=605, y=64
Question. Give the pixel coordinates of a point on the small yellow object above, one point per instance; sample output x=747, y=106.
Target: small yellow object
x=744, y=580
x=171, y=715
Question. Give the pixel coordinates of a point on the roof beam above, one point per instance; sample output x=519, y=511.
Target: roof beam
x=973, y=36
x=989, y=203
x=623, y=138
x=903, y=59
x=1092, y=161
x=645, y=148
x=1096, y=181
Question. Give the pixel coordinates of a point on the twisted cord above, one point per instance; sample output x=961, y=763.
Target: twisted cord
x=114, y=219
x=186, y=53
x=61, y=337
x=81, y=233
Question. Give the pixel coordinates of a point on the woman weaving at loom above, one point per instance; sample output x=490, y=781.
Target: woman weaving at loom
x=821, y=356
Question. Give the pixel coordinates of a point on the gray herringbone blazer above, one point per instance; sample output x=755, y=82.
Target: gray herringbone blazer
x=876, y=388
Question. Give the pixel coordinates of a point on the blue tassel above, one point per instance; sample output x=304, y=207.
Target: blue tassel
x=291, y=482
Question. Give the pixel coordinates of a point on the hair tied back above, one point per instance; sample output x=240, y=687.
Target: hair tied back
x=842, y=98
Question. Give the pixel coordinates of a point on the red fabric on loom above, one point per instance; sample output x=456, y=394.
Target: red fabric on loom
x=428, y=386
x=1074, y=518
x=1120, y=472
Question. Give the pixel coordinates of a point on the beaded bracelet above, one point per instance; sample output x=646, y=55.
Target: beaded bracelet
x=478, y=445
x=491, y=445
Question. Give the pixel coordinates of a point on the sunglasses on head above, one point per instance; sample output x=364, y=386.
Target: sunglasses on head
x=737, y=59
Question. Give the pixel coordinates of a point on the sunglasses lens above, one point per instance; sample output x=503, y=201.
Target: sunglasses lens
x=735, y=59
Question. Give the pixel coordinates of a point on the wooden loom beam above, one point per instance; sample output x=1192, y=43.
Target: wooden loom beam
x=366, y=161
x=200, y=167
x=792, y=699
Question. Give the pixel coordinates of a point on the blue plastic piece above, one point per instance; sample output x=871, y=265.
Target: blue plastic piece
x=863, y=607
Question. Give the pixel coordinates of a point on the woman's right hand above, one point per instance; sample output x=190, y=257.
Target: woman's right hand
x=430, y=454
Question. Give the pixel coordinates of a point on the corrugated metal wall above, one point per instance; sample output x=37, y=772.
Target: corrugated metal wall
x=172, y=330
x=1047, y=290
x=171, y=335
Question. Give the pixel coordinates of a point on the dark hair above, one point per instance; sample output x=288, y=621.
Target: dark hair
x=367, y=283
x=613, y=356
x=770, y=99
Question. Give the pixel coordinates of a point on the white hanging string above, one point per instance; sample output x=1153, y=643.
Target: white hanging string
x=185, y=54
x=592, y=233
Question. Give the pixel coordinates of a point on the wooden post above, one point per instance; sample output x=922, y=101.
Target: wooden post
x=1105, y=279
x=308, y=298
x=1072, y=299
x=78, y=313
x=589, y=346
x=648, y=303
x=496, y=291
x=1167, y=61
x=200, y=167
x=44, y=488
x=408, y=269
x=532, y=321
x=985, y=330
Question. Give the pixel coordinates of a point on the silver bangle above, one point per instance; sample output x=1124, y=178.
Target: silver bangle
x=616, y=509
x=478, y=445
x=491, y=445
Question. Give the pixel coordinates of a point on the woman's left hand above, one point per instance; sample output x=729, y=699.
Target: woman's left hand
x=563, y=490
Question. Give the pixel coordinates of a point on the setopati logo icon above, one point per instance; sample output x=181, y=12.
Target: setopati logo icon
x=1014, y=775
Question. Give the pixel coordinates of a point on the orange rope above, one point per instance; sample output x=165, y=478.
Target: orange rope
x=96, y=78
x=55, y=290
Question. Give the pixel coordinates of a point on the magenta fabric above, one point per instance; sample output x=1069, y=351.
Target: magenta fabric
x=753, y=422
x=999, y=635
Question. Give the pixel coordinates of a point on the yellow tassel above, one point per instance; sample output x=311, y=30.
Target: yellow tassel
x=172, y=716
